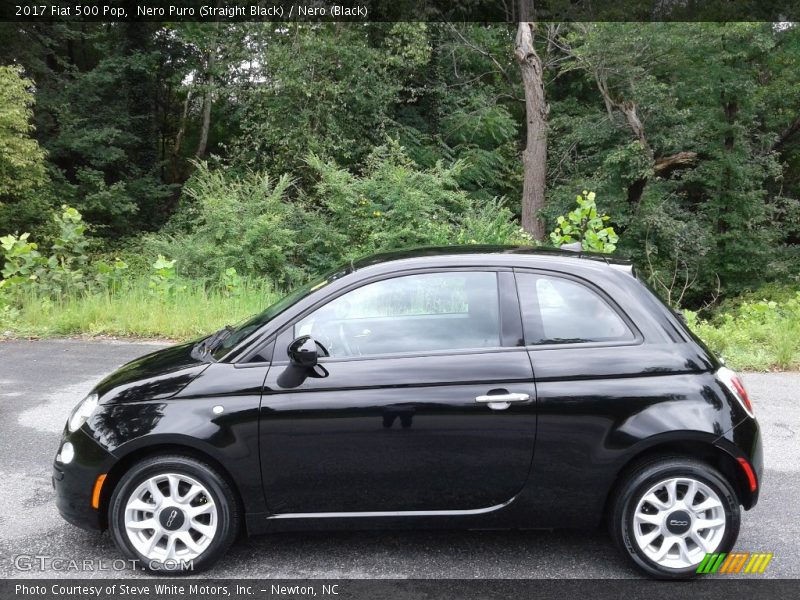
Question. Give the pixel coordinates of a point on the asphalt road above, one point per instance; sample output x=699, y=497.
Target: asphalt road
x=40, y=381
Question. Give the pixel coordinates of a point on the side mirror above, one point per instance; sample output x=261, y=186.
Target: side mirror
x=303, y=355
x=303, y=352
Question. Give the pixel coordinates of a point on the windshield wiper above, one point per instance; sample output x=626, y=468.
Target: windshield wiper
x=206, y=345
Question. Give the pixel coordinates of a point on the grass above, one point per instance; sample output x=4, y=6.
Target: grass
x=755, y=336
x=137, y=311
x=750, y=350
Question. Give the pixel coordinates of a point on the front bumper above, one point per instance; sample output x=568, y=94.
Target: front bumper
x=74, y=482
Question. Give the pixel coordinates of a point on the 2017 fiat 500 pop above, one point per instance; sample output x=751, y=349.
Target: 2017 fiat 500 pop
x=475, y=387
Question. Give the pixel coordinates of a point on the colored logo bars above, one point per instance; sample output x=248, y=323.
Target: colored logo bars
x=735, y=562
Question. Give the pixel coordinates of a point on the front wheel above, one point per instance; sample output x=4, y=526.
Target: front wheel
x=173, y=515
x=669, y=513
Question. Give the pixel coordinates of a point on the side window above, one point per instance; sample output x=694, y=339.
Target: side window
x=556, y=310
x=413, y=313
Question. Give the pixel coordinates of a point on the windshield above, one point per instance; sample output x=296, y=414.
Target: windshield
x=243, y=330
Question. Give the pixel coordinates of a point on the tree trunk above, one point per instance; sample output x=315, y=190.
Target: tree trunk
x=201, y=146
x=176, y=148
x=534, y=157
x=630, y=110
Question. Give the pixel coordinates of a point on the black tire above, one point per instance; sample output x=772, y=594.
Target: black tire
x=639, y=480
x=223, y=496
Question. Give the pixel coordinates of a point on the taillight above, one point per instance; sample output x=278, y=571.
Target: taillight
x=734, y=384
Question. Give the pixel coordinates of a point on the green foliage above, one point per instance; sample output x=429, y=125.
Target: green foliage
x=715, y=226
x=675, y=245
x=396, y=204
x=325, y=89
x=230, y=220
x=97, y=116
x=760, y=335
x=490, y=222
x=121, y=114
x=585, y=225
x=65, y=270
x=22, y=261
x=249, y=222
x=112, y=276
x=24, y=193
x=231, y=283
x=393, y=204
x=163, y=281
x=22, y=167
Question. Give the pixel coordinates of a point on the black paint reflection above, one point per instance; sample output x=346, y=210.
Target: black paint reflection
x=116, y=424
x=333, y=444
x=402, y=412
x=153, y=377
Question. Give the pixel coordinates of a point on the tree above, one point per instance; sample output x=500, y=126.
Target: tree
x=534, y=157
x=674, y=126
x=324, y=88
x=21, y=159
x=466, y=104
x=24, y=198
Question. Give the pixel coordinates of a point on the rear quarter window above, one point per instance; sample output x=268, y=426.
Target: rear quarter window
x=557, y=310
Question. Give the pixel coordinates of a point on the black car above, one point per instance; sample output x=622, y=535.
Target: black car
x=469, y=387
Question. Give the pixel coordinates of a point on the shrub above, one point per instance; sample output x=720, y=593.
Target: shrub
x=163, y=281
x=232, y=220
x=63, y=271
x=112, y=276
x=248, y=221
x=750, y=334
x=585, y=225
x=22, y=262
x=231, y=283
x=396, y=204
x=66, y=270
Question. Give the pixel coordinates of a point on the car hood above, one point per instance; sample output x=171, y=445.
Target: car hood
x=155, y=376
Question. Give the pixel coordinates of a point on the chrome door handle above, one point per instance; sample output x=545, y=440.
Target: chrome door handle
x=500, y=398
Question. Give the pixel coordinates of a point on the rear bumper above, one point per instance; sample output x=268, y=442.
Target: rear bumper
x=74, y=482
x=744, y=442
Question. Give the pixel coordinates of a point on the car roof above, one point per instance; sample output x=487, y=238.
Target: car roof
x=501, y=256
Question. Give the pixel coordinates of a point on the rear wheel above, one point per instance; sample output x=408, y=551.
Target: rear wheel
x=173, y=514
x=669, y=513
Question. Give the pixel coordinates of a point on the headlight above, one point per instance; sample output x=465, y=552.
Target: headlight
x=82, y=411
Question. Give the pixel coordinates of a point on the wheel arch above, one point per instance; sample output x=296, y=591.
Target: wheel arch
x=697, y=447
x=138, y=454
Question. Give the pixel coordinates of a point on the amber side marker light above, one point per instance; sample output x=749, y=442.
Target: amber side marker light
x=98, y=487
x=748, y=470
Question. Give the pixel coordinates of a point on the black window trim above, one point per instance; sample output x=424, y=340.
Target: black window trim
x=637, y=340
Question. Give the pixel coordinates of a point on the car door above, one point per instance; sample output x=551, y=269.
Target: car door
x=401, y=421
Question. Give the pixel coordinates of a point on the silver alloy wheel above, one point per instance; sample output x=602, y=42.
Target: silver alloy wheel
x=677, y=521
x=171, y=516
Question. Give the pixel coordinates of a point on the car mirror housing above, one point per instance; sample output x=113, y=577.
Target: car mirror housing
x=303, y=352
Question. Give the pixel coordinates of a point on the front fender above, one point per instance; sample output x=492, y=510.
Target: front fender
x=229, y=439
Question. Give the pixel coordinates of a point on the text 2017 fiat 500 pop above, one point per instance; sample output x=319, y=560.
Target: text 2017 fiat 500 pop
x=473, y=387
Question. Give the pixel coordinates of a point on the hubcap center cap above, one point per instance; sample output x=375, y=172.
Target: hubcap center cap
x=171, y=518
x=679, y=522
